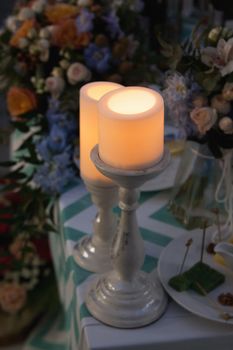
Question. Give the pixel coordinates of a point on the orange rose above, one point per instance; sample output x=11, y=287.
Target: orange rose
x=12, y=297
x=58, y=12
x=20, y=101
x=22, y=32
x=66, y=35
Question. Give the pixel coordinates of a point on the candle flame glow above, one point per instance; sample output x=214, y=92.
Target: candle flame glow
x=96, y=91
x=132, y=101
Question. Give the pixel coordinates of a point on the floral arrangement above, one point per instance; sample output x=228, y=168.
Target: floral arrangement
x=198, y=87
x=25, y=268
x=49, y=49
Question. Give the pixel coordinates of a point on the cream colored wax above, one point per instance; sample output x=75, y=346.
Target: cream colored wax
x=90, y=94
x=131, y=128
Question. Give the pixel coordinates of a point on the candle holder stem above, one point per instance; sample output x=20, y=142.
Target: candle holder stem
x=127, y=297
x=92, y=252
x=127, y=250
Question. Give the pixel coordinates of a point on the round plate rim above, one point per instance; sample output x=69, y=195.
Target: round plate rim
x=177, y=296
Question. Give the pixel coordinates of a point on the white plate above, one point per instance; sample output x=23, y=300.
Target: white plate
x=169, y=264
x=164, y=180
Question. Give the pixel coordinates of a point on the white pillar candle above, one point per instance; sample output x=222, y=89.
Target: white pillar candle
x=131, y=128
x=90, y=94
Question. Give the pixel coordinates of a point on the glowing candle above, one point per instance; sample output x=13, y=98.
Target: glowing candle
x=131, y=128
x=90, y=94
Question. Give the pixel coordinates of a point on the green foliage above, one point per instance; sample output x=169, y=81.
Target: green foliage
x=172, y=53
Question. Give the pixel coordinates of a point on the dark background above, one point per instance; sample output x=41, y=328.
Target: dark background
x=5, y=8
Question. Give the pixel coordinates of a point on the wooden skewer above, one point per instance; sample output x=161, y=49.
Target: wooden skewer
x=187, y=244
x=203, y=240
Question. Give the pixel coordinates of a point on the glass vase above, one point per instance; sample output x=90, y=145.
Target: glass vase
x=194, y=195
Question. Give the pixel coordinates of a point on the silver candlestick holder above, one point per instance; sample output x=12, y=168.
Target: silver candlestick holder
x=92, y=252
x=127, y=297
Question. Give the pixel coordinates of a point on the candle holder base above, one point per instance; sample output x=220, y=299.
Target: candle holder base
x=127, y=304
x=91, y=256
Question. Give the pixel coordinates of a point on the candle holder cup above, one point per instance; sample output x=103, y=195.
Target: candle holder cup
x=92, y=252
x=127, y=297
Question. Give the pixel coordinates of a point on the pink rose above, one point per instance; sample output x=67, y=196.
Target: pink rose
x=226, y=125
x=227, y=92
x=204, y=118
x=12, y=297
x=77, y=72
x=220, y=104
x=55, y=85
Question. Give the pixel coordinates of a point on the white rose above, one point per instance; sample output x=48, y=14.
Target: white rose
x=226, y=125
x=12, y=23
x=64, y=64
x=44, y=33
x=78, y=72
x=25, y=13
x=43, y=44
x=222, y=106
x=51, y=29
x=38, y=6
x=32, y=33
x=55, y=85
x=23, y=43
x=43, y=47
x=204, y=118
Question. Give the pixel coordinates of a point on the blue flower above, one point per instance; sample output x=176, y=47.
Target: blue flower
x=43, y=149
x=56, y=150
x=97, y=58
x=57, y=139
x=52, y=178
x=84, y=22
x=65, y=121
x=56, y=173
x=113, y=25
x=54, y=105
x=55, y=117
x=178, y=98
x=63, y=159
x=176, y=87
